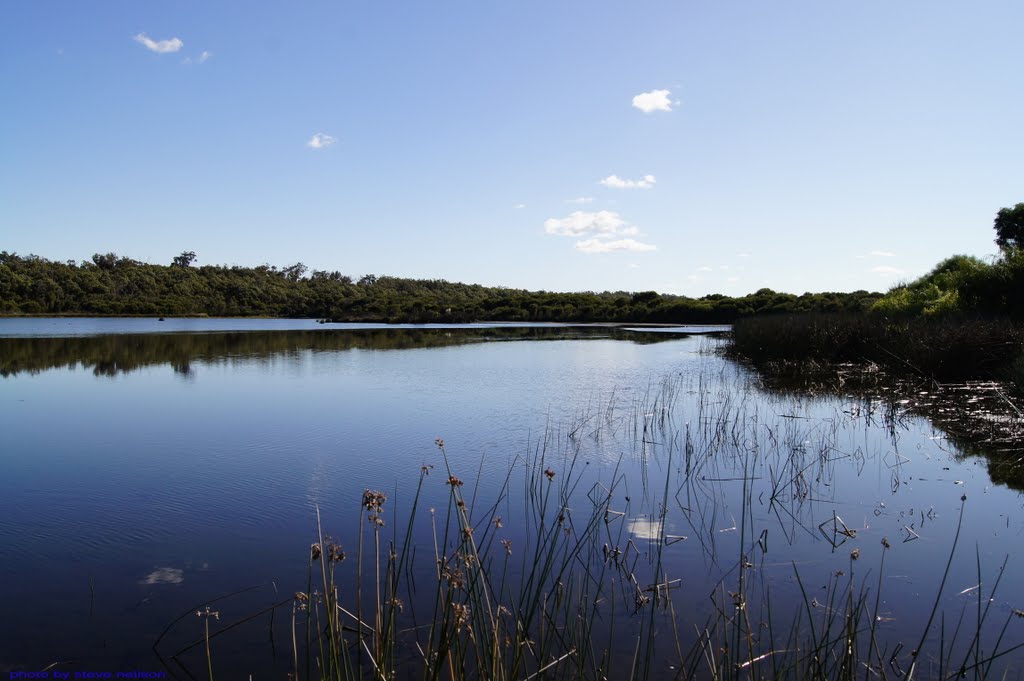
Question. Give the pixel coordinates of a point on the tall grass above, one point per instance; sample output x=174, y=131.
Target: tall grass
x=942, y=348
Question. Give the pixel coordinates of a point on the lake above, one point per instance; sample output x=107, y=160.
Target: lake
x=152, y=468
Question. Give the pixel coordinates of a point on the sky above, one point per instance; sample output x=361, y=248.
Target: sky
x=685, y=146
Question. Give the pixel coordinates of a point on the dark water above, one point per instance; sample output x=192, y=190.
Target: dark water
x=149, y=468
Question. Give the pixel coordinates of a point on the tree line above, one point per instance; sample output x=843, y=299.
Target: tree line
x=110, y=284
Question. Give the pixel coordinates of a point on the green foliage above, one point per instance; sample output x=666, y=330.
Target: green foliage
x=185, y=259
x=113, y=285
x=966, y=285
x=961, y=285
x=1009, y=226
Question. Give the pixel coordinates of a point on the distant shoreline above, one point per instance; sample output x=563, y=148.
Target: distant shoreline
x=112, y=285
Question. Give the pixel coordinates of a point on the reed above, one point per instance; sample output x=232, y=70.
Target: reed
x=942, y=348
x=583, y=588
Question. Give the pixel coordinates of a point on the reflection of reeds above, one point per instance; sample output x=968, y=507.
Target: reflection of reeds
x=965, y=375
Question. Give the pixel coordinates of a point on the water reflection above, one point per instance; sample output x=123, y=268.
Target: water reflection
x=645, y=528
x=111, y=355
x=714, y=485
x=164, y=575
x=975, y=419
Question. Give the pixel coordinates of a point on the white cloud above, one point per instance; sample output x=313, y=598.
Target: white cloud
x=704, y=268
x=604, y=228
x=579, y=223
x=616, y=182
x=742, y=255
x=159, y=46
x=887, y=270
x=320, y=141
x=520, y=205
x=580, y=200
x=883, y=254
x=201, y=59
x=604, y=246
x=655, y=100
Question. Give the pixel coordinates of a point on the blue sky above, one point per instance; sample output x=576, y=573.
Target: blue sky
x=687, y=147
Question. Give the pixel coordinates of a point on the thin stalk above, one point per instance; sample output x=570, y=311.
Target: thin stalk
x=916, y=652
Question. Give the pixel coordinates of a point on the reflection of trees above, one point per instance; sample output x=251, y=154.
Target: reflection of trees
x=111, y=355
x=977, y=418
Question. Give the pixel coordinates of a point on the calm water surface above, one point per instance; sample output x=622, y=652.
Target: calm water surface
x=150, y=467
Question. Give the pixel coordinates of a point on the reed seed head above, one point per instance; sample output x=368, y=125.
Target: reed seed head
x=335, y=554
x=374, y=500
x=461, y=614
x=455, y=578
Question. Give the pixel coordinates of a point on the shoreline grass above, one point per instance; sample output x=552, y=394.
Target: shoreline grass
x=943, y=349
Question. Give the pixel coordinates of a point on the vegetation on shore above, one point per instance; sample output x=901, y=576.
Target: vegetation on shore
x=110, y=284
x=964, y=320
x=963, y=285
x=113, y=285
x=941, y=348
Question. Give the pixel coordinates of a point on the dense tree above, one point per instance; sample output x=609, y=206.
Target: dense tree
x=185, y=259
x=1009, y=227
x=294, y=272
x=111, y=284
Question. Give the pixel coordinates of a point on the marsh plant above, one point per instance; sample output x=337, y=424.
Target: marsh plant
x=946, y=348
x=468, y=615
x=581, y=577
